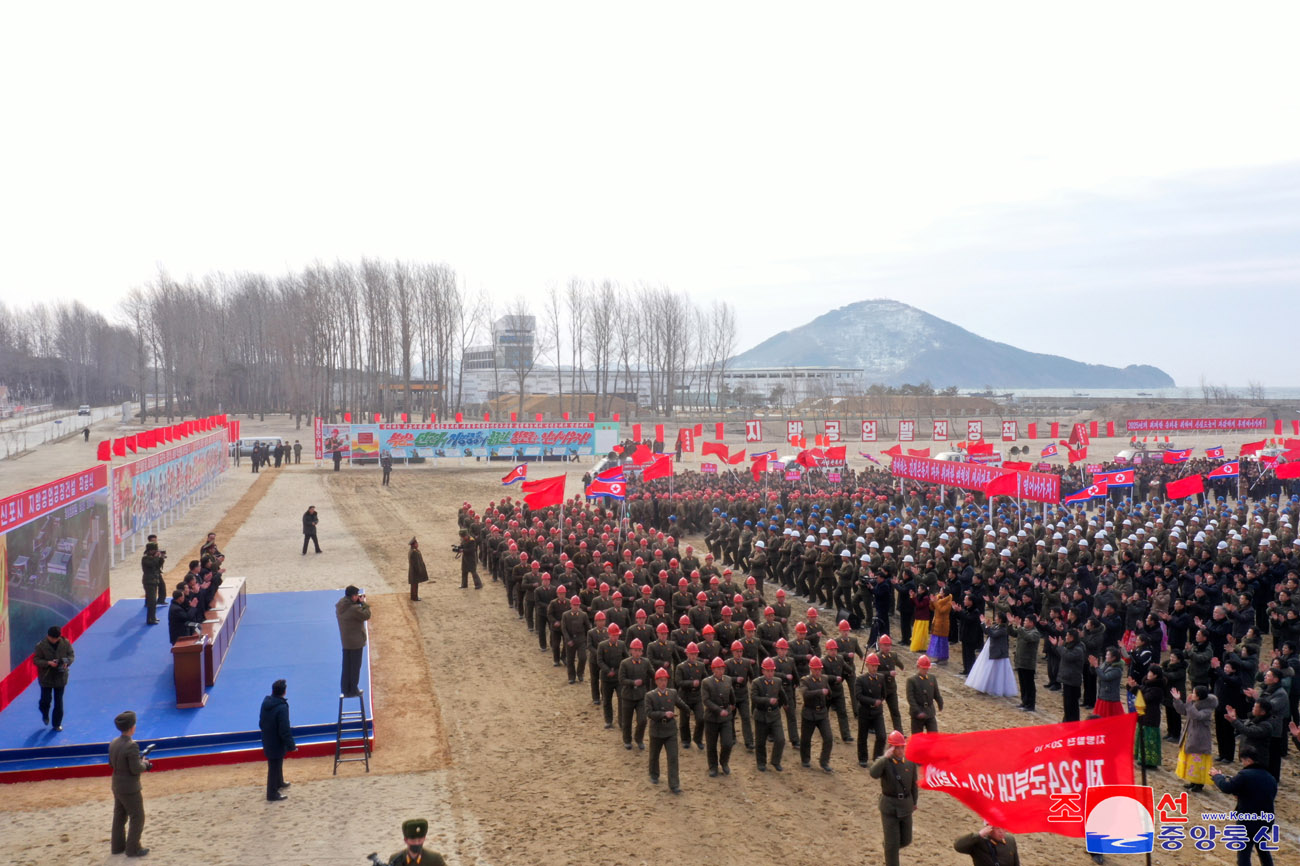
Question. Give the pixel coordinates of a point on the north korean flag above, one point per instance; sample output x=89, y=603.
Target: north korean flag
x=611, y=475
x=1050, y=450
x=1117, y=478
x=1215, y=453
x=1094, y=491
x=519, y=473
x=1178, y=455
x=610, y=489
x=1226, y=470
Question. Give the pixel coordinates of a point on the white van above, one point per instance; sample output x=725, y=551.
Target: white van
x=246, y=444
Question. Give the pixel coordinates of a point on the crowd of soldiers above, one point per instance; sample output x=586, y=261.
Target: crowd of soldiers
x=1175, y=595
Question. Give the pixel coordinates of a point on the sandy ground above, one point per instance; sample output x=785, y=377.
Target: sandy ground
x=477, y=731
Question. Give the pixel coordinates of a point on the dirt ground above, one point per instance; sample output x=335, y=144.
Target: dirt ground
x=478, y=732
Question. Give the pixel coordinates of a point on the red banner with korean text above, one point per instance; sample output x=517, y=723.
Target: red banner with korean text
x=1028, y=780
x=1148, y=425
x=1034, y=486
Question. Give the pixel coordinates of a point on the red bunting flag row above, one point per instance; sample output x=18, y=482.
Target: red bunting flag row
x=159, y=436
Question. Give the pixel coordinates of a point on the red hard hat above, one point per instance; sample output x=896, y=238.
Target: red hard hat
x=885, y=640
x=923, y=662
x=844, y=625
x=692, y=649
x=604, y=587
x=645, y=590
x=737, y=646
x=873, y=659
x=713, y=581
x=614, y=629
x=600, y=616
x=738, y=599
x=661, y=674
x=662, y=628
x=750, y=581
x=800, y=628
x=636, y=643
x=896, y=738
x=561, y=589
x=591, y=582
x=780, y=593
x=682, y=581
x=641, y=614
x=726, y=610
x=708, y=629
x=683, y=620
x=617, y=594
x=815, y=662
x=832, y=645
x=699, y=596
x=812, y=613
x=718, y=662
x=782, y=643
x=768, y=611
x=769, y=664
x=659, y=602
x=575, y=600
x=749, y=625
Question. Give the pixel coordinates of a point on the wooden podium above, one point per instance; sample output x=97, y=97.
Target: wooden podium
x=189, y=669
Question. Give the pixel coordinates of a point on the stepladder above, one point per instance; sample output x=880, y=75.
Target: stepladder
x=352, y=736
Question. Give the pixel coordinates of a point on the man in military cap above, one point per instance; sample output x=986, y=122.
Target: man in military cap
x=416, y=573
x=155, y=588
x=52, y=656
x=898, y=796
x=661, y=708
x=128, y=798
x=413, y=834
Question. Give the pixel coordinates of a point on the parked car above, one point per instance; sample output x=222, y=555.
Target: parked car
x=246, y=444
x=83, y=409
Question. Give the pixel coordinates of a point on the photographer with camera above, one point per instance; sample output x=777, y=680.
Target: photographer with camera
x=151, y=567
x=52, y=658
x=468, y=551
x=352, y=612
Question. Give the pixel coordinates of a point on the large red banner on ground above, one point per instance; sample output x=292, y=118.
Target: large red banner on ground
x=1028, y=780
x=1147, y=425
x=1034, y=486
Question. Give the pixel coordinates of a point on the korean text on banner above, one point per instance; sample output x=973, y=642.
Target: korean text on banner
x=1032, y=779
x=1034, y=486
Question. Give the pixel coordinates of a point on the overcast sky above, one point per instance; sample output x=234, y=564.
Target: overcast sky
x=1118, y=183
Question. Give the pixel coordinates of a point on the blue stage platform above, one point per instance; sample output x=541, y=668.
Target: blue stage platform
x=123, y=664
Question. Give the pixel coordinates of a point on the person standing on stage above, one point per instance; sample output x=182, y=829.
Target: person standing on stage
x=277, y=739
x=128, y=796
x=155, y=589
x=416, y=573
x=309, y=522
x=352, y=611
x=386, y=463
x=52, y=657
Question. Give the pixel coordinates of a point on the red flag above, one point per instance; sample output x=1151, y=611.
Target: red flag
x=980, y=447
x=717, y=431
x=659, y=432
x=487, y=417
x=591, y=416
x=130, y=443
x=347, y=417
x=564, y=415
x=539, y=418
x=405, y=419
x=737, y=457
x=1003, y=485
x=544, y=492
x=1252, y=447
x=1183, y=487
x=810, y=458
x=642, y=454
x=758, y=467
x=119, y=447
x=918, y=452
x=717, y=448
x=615, y=419
x=1054, y=759
x=1017, y=464
x=662, y=467
x=1287, y=470
x=1056, y=431
x=1277, y=427
x=1295, y=426
x=896, y=451
x=1077, y=456
x=519, y=473
x=460, y=418
x=838, y=454
x=104, y=451
x=1032, y=432
x=636, y=432
x=1092, y=428
x=1110, y=429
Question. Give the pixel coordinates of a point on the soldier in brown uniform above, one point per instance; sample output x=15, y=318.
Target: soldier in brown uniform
x=634, y=675
x=595, y=636
x=661, y=708
x=898, y=795
x=869, y=705
x=128, y=797
x=609, y=655
x=741, y=670
x=839, y=673
x=689, y=677
x=769, y=697
x=555, y=612
x=815, y=690
x=890, y=665
x=788, y=674
x=719, y=706
x=414, y=832
x=416, y=573
x=574, y=625
x=923, y=699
